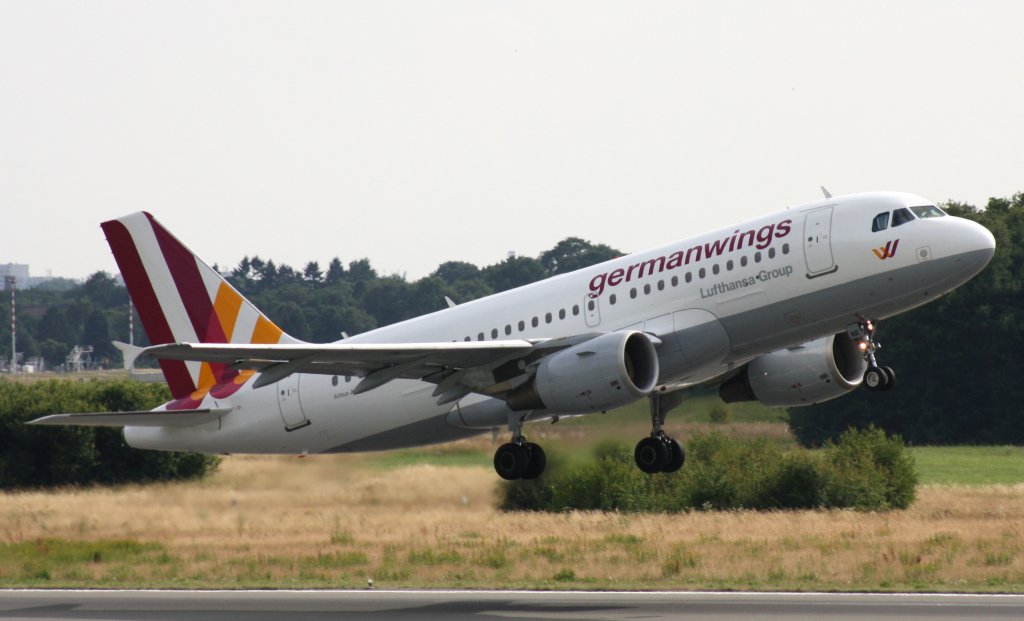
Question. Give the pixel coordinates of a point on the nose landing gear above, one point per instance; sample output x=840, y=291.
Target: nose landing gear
x=875, y=377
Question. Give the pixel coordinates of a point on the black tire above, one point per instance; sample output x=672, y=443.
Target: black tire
x=651, y=455
x=511, y=461
x=890, y=377
x=676, y=458
x=537, y=461
x=875, y=378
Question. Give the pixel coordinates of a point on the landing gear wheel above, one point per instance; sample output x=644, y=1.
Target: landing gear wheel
x=876, y=379
x=537, y=461
x=890, y=376
x=651, y=455
x=511, y=461
x=677, y=456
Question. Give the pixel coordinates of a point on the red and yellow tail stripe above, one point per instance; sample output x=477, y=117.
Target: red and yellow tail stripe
x=181, y=299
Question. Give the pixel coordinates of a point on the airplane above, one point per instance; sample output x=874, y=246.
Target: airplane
x=782, y=309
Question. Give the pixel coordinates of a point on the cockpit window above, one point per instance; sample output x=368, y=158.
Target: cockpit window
x=901, y=216
x=881, y=222
x=928, y=211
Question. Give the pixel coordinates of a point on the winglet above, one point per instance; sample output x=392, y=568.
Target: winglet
x=826, y=192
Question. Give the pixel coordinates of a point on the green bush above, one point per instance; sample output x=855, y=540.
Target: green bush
x=720, y=414
x=868, y=470
x=864, y=470
x=41, y=457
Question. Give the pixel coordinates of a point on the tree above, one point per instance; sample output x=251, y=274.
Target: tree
x=96, y=333
x=513, y=272
x=102, y=290
x=453, y=271
x=573, y=253
x=312, y=273
x=335, y=272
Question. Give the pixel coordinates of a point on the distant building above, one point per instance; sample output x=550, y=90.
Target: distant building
x=22, y=279
x=17, y=270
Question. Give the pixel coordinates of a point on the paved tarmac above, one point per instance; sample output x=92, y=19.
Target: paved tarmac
x=465, y=605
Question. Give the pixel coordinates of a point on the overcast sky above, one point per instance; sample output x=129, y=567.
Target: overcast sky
x=417, y=132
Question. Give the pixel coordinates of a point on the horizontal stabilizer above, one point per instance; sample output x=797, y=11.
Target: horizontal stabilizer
x=145, y=418
x=130, y=353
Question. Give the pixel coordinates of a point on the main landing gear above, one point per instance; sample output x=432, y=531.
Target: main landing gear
x=875, y=377
x=519, y=459
x=659, y=452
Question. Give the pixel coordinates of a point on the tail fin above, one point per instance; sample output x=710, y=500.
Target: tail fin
x=181, y=299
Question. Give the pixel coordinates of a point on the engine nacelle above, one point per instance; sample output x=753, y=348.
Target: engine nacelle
x=605, y=372
x=816, y=371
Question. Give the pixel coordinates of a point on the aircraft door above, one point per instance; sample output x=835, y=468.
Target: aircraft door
x=818, y=242
x=592, y=311
x=288, y=401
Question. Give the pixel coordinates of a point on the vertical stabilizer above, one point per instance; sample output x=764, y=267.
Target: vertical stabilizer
x=181, y=299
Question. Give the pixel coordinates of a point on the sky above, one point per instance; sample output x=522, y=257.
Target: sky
x=413, y=133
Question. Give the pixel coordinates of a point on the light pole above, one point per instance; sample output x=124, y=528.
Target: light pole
x=11, y=283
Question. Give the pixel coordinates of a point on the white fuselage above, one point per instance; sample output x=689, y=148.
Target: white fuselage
x=714, y=301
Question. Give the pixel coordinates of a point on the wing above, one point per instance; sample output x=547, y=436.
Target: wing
x=147, y=418
x=491, y=368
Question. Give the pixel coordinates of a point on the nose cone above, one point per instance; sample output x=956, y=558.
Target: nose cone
x=984, y=241
x=977, y=246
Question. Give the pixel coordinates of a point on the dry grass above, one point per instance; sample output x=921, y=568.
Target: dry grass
x=336, y=521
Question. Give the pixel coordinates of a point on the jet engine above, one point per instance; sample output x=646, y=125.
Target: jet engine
x=605, y=372
x=816, y=371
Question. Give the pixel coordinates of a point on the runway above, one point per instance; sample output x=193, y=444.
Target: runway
x=464, y=605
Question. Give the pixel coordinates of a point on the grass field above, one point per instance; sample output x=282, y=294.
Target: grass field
x=427, y=518
x=970, y=465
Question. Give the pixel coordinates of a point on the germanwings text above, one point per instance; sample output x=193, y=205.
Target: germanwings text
x=760, y=239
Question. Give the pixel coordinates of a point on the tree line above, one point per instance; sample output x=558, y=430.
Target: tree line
x=314, y=303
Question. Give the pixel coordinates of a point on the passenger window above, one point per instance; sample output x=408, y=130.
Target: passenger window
x=494, y=333
x=480, y=336
x=611, y=299
x=743, y=261
x=771, y=253
x=632, y=293
x=508, y=328
x=701, y=272
x=714, y=269
x=901, y=216
x=689, y=276
x=547, y=318
x=647, y=289
x=561, y=313
x=590, y=305
x=575, y=309
x=661, y=285
x=880, y=223
x=675, y=281
x=534, y=322
x=522, y=326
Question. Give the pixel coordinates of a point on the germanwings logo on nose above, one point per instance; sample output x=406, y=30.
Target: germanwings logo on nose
x=887, y=251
